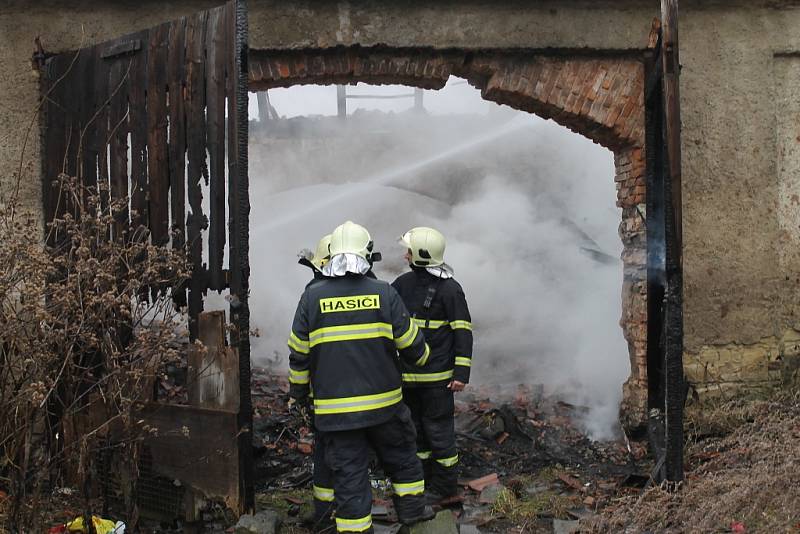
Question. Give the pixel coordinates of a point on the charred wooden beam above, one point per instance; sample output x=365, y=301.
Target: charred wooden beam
x=176, y=73
x=675, y=388
x=157, y=148
x=239, y=205
x=195, y=106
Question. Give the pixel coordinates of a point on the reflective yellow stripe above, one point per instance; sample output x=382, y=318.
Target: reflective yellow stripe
x=423, y=455
x=430, y=323
x=323, y=494
x=354, y=525
x=298, y=377
x=424, y=359
x=448, y=462
x=427, y=377
x=297, y=344
x=350, y=332
x=407, y=339
x=409, y=488
x=466, y=362
x=461, y=324
x=358, y=404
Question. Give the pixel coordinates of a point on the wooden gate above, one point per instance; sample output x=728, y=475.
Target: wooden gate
x=153, y=116
x=666, y=388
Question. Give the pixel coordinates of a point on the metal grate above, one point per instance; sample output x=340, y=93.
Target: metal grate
x=156, y=496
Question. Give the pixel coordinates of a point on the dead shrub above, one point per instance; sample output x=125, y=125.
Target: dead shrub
x=86, y=318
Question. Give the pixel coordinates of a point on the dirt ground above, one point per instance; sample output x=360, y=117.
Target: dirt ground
x=742, y=457
x=525, y=468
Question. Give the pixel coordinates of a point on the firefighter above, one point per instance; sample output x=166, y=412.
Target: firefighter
x=347, y=332
x=316, y=260
x=322, y=477
x=438, y=306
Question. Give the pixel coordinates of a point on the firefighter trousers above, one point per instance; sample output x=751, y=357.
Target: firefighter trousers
x=322, y=481
x=347, y=453
x=433, y=413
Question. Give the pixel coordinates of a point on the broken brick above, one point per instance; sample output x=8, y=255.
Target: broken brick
x=479, y=484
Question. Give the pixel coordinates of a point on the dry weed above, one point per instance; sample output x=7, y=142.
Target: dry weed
x=745, y=479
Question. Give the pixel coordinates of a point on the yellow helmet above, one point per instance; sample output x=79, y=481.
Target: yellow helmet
x=322, y=254
x=426, y=246
x=351, y=238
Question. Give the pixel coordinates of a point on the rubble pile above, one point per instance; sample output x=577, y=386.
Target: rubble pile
x=525, y=466
x=282, y=442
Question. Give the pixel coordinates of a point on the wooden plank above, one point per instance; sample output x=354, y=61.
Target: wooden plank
x=157, y=152
x=138, y=129
x=88, y=121
x=177, y=142
x=213, y=368
x=55, y=145
x=217, y=36
x=75, y=104
x=101, y=137
x=120, y=47
x=119, y=124
x=196, y=145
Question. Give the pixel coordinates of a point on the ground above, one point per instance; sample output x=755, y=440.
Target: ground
x=742, y=460
x=525, y=468
x=742, y=465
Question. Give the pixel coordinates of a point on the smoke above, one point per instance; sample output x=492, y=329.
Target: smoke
x=529, y=212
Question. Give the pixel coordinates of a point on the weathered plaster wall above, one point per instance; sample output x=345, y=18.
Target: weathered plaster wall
x=741, y=285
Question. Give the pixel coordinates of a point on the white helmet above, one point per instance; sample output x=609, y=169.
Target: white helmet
x=426, y=246
x=322, y=254
x=351, y=238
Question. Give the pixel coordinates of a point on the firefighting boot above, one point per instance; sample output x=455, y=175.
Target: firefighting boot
x=412, y=509
x=320, y=520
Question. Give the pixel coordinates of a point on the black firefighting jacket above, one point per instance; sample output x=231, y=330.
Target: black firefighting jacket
x=344, y=344
x=446, y=323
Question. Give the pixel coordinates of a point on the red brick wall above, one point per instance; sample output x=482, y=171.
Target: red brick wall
x=599, y=97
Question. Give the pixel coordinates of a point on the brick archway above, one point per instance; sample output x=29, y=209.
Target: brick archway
x=598, y=96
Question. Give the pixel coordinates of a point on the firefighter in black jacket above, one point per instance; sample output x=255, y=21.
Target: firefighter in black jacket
x=320, y=520
x=346, y=335
x=438, y=306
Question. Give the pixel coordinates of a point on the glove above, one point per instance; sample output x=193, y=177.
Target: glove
x=300, y=409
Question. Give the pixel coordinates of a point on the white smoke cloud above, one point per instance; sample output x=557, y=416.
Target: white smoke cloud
x=519, y=208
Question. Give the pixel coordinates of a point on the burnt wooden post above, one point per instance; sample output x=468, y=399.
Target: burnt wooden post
x=656, y=277
x=239, y=209
x=675, y=386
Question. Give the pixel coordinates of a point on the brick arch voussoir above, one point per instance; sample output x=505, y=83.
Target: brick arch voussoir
x=599, y=98
x=269, y=69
